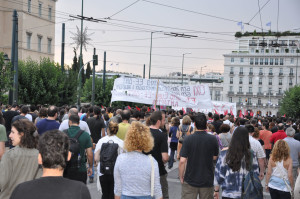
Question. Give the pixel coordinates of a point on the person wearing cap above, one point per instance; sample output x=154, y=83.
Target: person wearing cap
x=294, y=149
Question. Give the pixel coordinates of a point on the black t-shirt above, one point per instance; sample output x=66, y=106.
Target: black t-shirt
x=297, y=136
x=95, y=126
x=8, y=116
x=217, y=124
x=50, y=188
x=19, y=117
x=34, y=116
x=160, y=146
x=199, y=149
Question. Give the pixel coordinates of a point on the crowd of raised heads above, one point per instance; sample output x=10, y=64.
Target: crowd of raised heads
x=129, y=152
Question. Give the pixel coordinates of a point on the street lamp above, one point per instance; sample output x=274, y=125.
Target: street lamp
x=201, y=72
x=182, y=66
x=6, y=59
x=151, y=53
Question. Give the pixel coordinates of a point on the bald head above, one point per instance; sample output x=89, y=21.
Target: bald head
x=73, y=111
x=280, y=126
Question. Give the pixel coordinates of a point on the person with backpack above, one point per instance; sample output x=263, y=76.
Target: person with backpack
x=184, y=130
x=279, y=178
x=233, y=166
x=81, y=149
x=106, y=152
x=136, y=174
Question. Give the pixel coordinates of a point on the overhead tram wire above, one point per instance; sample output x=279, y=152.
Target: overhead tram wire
x=258, y=12
x=123, y=9
x=278, y=17
x=262, y=30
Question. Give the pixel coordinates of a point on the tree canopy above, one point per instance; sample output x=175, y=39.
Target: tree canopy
x=290, y=104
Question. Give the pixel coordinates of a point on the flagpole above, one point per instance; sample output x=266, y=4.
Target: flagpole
x=156, y=93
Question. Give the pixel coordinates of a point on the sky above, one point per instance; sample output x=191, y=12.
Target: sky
x=126, y=35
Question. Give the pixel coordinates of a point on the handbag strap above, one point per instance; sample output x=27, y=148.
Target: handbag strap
x=152, y=175
x=281, y=174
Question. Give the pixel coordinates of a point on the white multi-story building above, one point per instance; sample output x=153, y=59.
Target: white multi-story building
x=260, y=71
x=36, y=25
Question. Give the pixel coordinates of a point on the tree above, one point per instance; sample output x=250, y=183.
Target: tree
x=238, y=34
x=75, y=65
x=88, y=71
x=6, y=77
x=290, y=104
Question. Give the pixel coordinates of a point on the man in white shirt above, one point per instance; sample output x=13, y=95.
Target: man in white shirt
x=82, y=124
x=258, y=151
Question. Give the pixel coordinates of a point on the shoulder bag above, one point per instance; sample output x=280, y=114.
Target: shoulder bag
x=152, y=176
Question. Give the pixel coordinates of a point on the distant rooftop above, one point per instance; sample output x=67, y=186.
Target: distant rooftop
x=277, y=34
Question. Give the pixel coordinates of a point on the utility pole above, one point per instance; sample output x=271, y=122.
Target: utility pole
x=182, y=67
x=150, y=56
x=95, y=62
x=63, y=48
x=144, y=71
x=13, y=94
x=104, y=70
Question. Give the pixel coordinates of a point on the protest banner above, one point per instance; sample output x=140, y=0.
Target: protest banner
x=154, y=92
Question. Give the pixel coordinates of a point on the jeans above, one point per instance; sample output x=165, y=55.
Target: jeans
x=276, y=194
x=107, y=185
x=93, y=169
x=135, y=197
x=171, y=158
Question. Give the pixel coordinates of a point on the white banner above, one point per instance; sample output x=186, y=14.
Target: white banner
x=144, y=91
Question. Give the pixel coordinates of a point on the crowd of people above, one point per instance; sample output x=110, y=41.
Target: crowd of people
x=52, y=152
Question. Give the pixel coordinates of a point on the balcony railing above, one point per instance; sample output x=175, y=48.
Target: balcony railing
x=280, y=84
x=252, y=44
x=291, y=74
x=260, y=94
x=250, y=82
x=279, y=94
x=231, y=72
x=259, y=83
x=230, y=93
x=231, y=82
x=291, y=84
x=270, y=83
x=241, y=73
x=240, y=82
x=260, y=73
x=250, y=73
x=270, y=74
x=249, y=93
x=240, y=93
x=280, y=74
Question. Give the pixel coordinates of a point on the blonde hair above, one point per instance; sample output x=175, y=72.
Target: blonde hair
x=186, y=120
x=281, y=151
x=138, y=137
x=113, y=128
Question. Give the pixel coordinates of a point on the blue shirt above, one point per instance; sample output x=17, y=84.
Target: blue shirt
x=46, y=125
x=173, y=131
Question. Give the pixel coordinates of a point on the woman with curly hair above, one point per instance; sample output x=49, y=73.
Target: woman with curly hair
x=132, y=171
x=19, y=164
x=279, y=179
x=106, y=180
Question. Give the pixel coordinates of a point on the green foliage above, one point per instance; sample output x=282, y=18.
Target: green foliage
x=88, y=71
x=6, y=77
x=290, y=104
x=238, y=34
x=44, y=83
x=75, y=65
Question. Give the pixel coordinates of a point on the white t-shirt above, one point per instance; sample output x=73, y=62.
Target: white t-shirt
x=29, y=117
x=105, y=139
x=256, y=147
x=82, y=124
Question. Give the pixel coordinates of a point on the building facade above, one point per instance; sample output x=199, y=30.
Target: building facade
x=260, y=71
x=36, y=25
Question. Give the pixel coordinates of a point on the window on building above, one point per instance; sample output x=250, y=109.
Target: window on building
x=39, y=44
x=240, y=89
x=241, y=69
x=50, y=13
x=256, y=61
x=281, y=71
x=231, y=80
x=49, y=45
x=40, y=9
x=276, y=61
x=231, y=69
x=291, y=70
x=260, y=71
x=266, y=61
x=270, y=81
x=280, y=90
x=251, y=70
x=279, y=101
x=259, y=101
x=261, y=61
x=270, y=71
x=29, y=6
x=241, y=80
x=281, y=50
x=281, y=61
x=250, y=80
x=250, y=89
x=231, y=88
x=272, y=50
x=230, y=99
x=262, y=50
x=232, y=60
x=292, y=50
x=260, y=81
x=251, y=61
x=271, y=61
x=249, y=100
x=270, y=91
x=242, y=60
x=28, y=38
x=240, y=100
x=252, y=50
x=291, y=81
x=259, y=89
x=280, y=81
x=292, y=60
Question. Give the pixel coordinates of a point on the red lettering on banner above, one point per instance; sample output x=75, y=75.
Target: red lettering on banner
x=199, y=90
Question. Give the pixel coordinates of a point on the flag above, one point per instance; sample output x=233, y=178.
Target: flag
x=241, y=115
x=216, y=112
x=183, y=111
x=231, y=113
x=226, y=112
x=246, y=112
x=192, y=110
x=137, y=108
x=148, y=109
x=102, y=106
x=128, y=107
x=284, y=115
x=251, y=114
x=240, y=23
x=268, y=24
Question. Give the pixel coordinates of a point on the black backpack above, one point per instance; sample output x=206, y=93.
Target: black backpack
x=75, y=161
x=108, y=157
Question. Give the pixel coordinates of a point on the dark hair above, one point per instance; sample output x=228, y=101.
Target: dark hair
x=250, y=128
x=32, y=108
x=155, y=116
x=52, y=110
x=181, y=112
x=29, y=138
x=210, y=114
x=43, y=112
x=224, y=128
x=15, y=105
x=54, y=148
x=25, y=109
x=106, y=117
x=74, y=119
x=242, y=121
x=200, y=121
x=113, y=128
x=266, y=125
x=216, y=117
x=136, y=114
x=97, y=111
x=280, y=127
x=239, y=148
x=125, y=115
x=2, y=120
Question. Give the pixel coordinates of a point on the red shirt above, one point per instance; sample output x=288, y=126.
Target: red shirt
x=279, y=135
x=265, y=135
